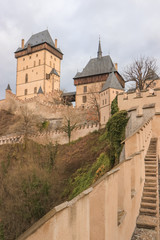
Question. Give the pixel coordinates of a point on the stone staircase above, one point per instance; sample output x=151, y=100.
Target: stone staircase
x=147, y=222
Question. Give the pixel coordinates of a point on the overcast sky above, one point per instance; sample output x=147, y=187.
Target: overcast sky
x=128, y=29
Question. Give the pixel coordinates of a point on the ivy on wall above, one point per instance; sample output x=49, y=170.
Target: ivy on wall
x=115, y=134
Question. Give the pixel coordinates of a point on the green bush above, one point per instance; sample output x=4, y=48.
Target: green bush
x=114, y=106
x=115, y=128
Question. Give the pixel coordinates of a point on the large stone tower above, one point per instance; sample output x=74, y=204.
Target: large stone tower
x=38, y=65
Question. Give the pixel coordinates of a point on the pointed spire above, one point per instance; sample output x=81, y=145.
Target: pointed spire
x=99, y=53
x=40, y=91
x=8, y=87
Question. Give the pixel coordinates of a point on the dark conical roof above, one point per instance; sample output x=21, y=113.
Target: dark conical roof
x=99, y=53
x=8, y=87
x=112, y=82
x=53, y=71
x=40, y=91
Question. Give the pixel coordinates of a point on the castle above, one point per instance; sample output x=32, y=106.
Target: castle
x=110, y=207
x=39, y=71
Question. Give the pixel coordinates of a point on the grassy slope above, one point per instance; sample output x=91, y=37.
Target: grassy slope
x=34, y=179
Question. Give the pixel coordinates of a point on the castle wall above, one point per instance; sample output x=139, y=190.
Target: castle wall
x=106, y=210
x=61, y=137
x=139, y=100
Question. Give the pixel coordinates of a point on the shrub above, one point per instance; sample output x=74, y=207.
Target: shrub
x=115, y=128
x=114, y=106
x=84, y=177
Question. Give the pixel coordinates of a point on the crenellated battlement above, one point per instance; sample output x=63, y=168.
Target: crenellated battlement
x=57, y=136
x=140, y=100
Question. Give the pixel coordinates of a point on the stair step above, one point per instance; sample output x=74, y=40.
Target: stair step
x=150, y=174
x=153, y=166
x=149, y=199
x=149, y=194
x=148, y=212
x=148, y=205
x=148, y=162
x=150, y=189
x=146, y=222
x=150, y=179
x=153, y=171
x=152, y=185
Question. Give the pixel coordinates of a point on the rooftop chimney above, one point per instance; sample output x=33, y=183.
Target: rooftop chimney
x=55, y=43
x=116, y=66
x=22, y=43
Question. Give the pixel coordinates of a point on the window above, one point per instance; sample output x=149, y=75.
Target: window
x=35, y=90
x=85, y=89
x=53, y=65
x=25, y=91
x=39, y=61
x=26, y=67
x=84, y=99
x=51, y=56
x=36, y=55
x=54, y=59
x=23, y=59
x=105, y=101
x=29, y=57
x=26, y=78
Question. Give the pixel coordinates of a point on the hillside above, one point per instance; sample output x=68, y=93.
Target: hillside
x=8, y=122
x=34, y=179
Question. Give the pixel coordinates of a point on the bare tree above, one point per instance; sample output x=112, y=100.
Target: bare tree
x=94, y=104
x=28, y=122
x=142, y=71
x=71, y=119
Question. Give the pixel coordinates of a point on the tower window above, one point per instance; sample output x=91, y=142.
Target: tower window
x=26, y=78
x=35, y=90
x=84, y=99
x=85, y=89
x=25, y=91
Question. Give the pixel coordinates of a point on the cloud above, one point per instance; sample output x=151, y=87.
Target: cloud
x=127, y=29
